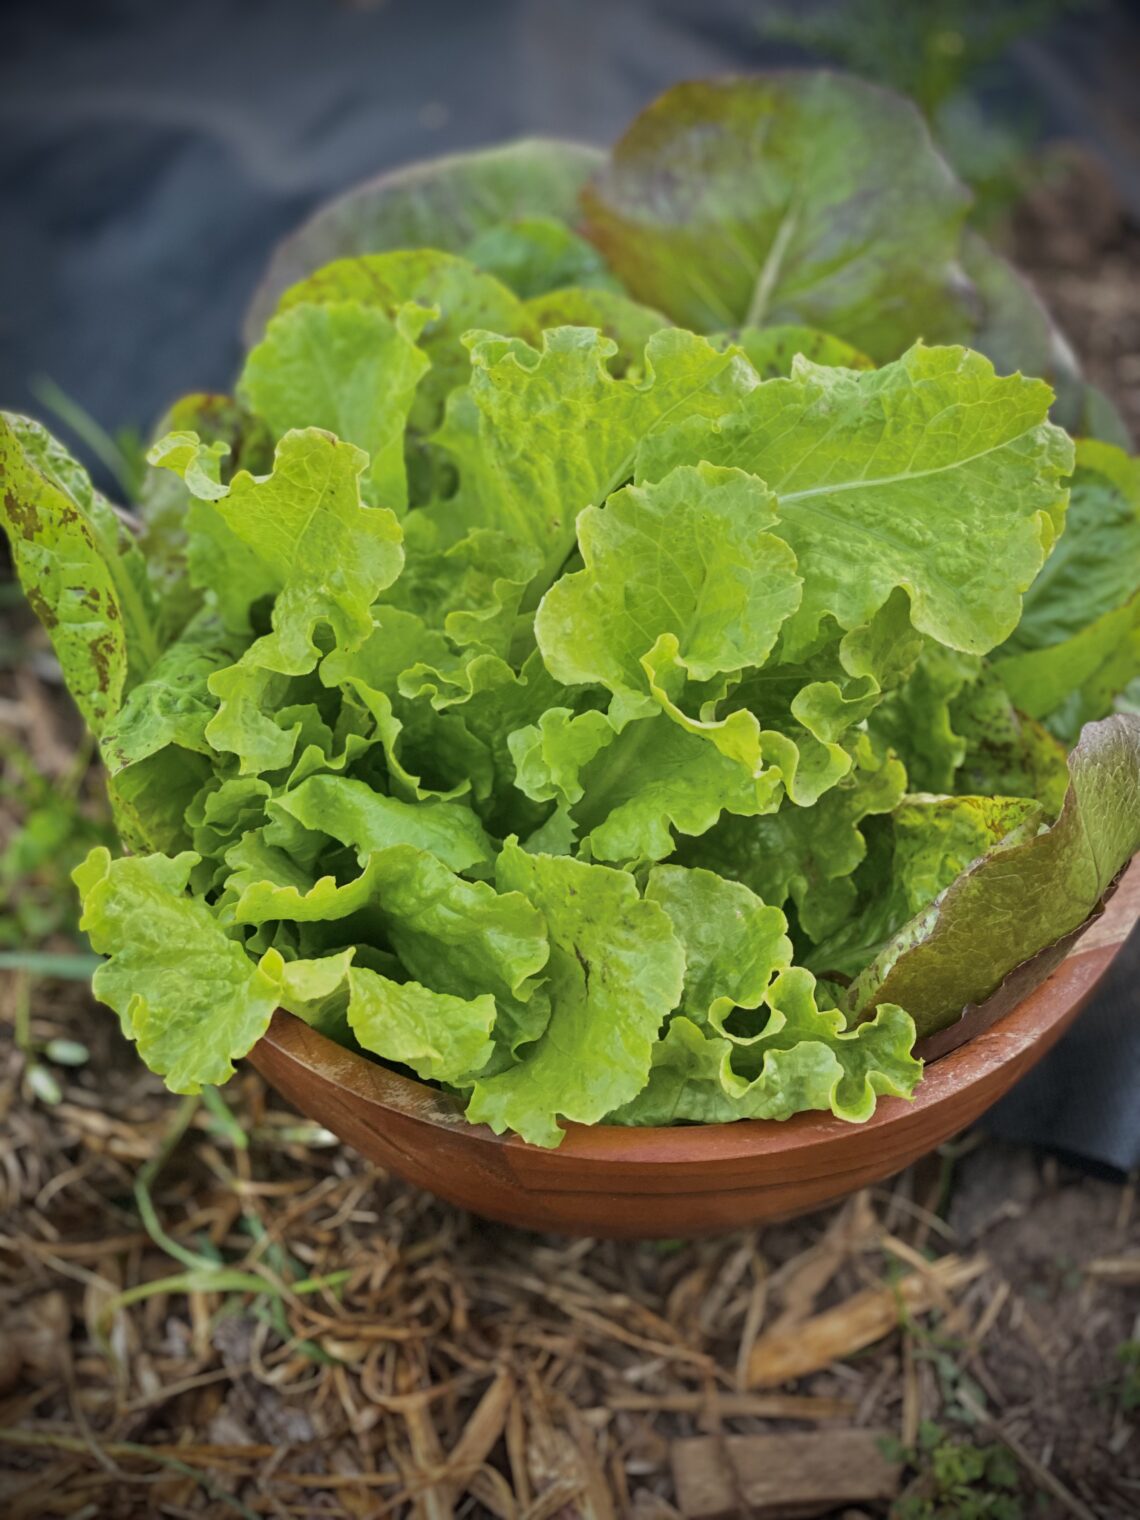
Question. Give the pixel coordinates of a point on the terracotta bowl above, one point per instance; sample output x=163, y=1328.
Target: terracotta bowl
x=697, y=1179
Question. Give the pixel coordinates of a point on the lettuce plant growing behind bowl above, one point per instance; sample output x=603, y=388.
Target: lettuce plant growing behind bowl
x=640, y=643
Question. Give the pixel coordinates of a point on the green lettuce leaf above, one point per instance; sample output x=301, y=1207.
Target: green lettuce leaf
x=808, y=854
x=625, y=792
x=932, y=473
x=1078, y=642
x=627, y=323
x=1020, y=897
x=540, y=434
x=734, y=943
x=804, y=1058
x=807, y=198
x=442, y=1038
x=537, y=254
x=915, y=719
x=772, y=350
x=351, y=811
x=155, y=748
x=459, y=295
x=171, y=536
x=687, y=557
x=616, y=969
x=317, y=991
x=189, y=997
x=350, y=369
x=324, y=555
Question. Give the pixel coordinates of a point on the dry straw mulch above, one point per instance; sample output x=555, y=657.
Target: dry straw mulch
x=216, y=1311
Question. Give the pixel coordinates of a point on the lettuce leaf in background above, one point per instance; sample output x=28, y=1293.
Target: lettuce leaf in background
x=534, y=255
x=1019, y=897
x=442, y=203
x=772, y=350
x=626, y=323
x=1013, y=329
x=1078, y=642
x=807, y=198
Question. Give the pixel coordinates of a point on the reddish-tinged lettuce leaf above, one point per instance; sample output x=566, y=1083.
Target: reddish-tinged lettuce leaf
x=1020, y=897
x=807, y=198
x=916, y=853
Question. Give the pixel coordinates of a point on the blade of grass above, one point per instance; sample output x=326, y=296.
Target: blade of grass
x=64, y=968
x=84, y=426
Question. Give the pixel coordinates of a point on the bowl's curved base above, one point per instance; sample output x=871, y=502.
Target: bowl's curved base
x=636, y=1183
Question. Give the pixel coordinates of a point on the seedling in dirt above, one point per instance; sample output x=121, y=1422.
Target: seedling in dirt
x=957, y=1480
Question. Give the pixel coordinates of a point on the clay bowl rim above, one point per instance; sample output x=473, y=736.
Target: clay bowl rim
x=1002, y=1035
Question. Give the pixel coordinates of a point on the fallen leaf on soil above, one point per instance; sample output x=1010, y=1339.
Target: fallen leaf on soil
x=809, y=1346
